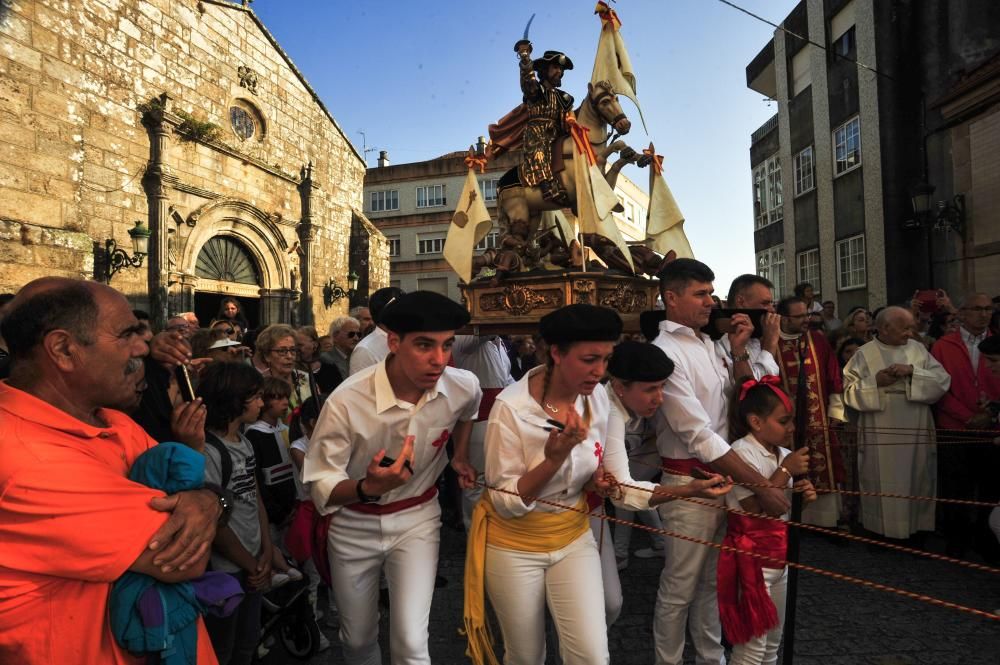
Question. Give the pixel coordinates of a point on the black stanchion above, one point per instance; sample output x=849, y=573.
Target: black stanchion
x=792, y=588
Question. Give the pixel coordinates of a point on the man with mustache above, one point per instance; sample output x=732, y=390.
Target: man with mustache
x=70, y=520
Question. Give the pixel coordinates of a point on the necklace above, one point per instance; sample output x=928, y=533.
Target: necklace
x=551, y=408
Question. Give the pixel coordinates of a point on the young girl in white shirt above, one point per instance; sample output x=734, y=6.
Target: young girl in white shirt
x=751, y=590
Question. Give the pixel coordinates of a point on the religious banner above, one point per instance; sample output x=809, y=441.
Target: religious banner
x=595, y=200
x=612, y=63
x=470, y=224
x=664, y=221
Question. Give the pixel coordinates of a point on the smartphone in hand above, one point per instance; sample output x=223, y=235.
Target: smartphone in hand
x=184, y=383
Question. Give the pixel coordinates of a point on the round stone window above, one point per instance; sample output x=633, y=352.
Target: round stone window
x=243, y=122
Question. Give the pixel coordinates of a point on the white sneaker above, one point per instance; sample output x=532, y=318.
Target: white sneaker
x=324, y=643
x=280, y=579
x=648, y=553
x=262, y=651
x=293, y=574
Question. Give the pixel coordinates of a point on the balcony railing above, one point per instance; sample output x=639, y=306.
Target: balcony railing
x=762, y=131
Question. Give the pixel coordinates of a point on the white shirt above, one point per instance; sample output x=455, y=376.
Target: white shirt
x=515, y=444
x=762, y=363
x=371, y=350
x=364, y=416
x=485, y=357
x=761, y=460
x=693, y=419
x=616, y=456
x=972, y=344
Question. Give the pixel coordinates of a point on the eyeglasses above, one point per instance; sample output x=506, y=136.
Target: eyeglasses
x=285, y=351
x=353, y=334
x=980, y=310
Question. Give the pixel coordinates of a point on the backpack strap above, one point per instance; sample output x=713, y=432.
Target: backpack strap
x=225, y=459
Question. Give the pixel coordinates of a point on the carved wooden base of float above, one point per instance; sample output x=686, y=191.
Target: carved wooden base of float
x=515, y=305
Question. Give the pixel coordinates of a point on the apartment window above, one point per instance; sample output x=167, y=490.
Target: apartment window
x=489, y=241
x=438, y=285
x=387, y=200
x=430, y=196
x=767, y=197
x=804, y=171
x=393, y=245
x=851, y=272
x=808, y=268
x=489, y=188
x=844, y=45
x=771, y=265
x=430, y=244
x=847, y=146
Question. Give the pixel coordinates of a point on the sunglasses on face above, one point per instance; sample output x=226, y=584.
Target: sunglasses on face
x=353, y=334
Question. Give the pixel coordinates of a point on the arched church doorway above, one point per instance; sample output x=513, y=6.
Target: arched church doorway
x=226, y=268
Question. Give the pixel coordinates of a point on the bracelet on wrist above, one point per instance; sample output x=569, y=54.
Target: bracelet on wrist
x=740, y=357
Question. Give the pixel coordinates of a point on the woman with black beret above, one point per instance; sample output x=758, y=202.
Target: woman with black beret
x=546, y=439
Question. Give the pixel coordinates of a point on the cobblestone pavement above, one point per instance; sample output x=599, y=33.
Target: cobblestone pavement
x=838, y=623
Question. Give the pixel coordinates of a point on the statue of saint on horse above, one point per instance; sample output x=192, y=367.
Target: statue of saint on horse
x=545, y=179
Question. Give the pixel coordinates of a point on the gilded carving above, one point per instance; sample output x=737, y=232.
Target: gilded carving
x=584, y=290
x=519, y=300
x=625, y=299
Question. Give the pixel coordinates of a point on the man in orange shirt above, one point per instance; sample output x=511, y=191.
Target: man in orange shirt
x=70, y=520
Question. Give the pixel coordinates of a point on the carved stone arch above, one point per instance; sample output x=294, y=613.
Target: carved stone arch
x=250, y=226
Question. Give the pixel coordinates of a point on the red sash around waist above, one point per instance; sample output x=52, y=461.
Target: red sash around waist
x=684, y=466
x=745, y=607
x=395, y=506
x=486, y=404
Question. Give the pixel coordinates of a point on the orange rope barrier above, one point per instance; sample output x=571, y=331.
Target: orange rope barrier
x=830, y=532
x=801, y=566
x=884, y=495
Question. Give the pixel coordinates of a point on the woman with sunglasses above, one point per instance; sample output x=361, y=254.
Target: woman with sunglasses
x=278, y=354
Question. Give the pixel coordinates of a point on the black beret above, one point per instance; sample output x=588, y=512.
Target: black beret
x=580, y=323
x=423, y=311
x=638, y=361
x=990, y=346
x=649, y=323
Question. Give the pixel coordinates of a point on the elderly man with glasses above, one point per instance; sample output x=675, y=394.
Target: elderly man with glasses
x=345, y=331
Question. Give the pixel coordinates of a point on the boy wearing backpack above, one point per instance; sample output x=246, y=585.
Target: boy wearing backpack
x=232, y=397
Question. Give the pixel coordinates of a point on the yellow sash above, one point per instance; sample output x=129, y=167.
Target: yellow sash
x=534, y=532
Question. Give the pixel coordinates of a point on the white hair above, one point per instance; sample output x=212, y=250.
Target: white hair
x=340, y=322
x=889, y=314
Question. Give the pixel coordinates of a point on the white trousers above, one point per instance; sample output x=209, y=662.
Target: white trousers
x=569, y=580
x=687, y=596
x=609, y=569
x=763, y=650
x=405, y=545
x=642, y=467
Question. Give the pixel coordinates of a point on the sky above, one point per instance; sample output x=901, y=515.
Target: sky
x=421, y=79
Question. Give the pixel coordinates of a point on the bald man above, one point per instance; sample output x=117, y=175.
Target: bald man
x=77, y=351
x=892, y=381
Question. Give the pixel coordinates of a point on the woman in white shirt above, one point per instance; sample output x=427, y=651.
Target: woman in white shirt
x=546, y=439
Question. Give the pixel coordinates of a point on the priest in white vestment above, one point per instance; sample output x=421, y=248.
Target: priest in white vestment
x=892, y=381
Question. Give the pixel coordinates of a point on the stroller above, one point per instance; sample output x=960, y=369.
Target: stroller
x=287, y=614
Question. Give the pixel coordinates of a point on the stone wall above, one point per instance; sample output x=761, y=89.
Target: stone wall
x=89, y=145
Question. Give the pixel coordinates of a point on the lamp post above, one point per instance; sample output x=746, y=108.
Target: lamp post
x=118, y=259
x=332, y=292
x=931, y=215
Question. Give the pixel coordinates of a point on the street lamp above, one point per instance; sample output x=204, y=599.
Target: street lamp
x=332, y=292
x=117, y=258
x=941, y=215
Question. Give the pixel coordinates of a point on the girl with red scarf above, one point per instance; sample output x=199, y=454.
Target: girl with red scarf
x=752, y=590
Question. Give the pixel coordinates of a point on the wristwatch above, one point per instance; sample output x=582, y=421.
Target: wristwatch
x=365, y=498
x=741, y=358
x=225, y=501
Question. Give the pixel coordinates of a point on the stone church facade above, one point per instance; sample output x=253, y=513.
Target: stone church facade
x=188, y=117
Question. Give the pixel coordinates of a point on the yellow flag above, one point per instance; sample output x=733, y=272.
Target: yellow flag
x=595, y=201
x=470, y=224
x=664, y=221
x=613, y=64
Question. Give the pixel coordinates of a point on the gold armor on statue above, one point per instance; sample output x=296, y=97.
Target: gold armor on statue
x=546, y=106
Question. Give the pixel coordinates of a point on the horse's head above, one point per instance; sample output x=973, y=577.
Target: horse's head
x=604, y=101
